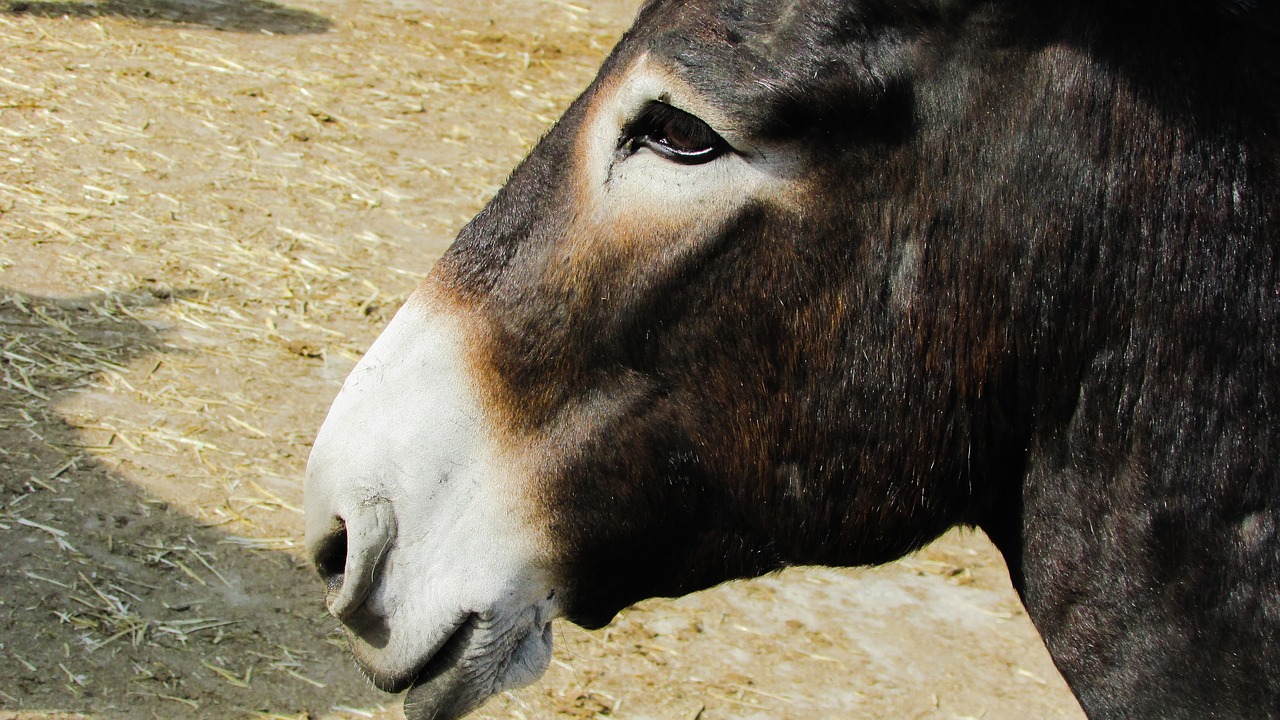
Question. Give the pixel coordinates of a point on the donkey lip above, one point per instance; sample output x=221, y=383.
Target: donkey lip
x=439, y=689
x=433, y=659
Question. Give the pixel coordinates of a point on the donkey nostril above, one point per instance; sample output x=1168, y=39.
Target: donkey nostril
x=348, y=554
x=331, y=557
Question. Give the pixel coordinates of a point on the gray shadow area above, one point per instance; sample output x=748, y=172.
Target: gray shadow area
x=249, y=16
x=111, y=602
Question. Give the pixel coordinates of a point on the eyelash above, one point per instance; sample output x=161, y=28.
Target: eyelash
x=673, y=134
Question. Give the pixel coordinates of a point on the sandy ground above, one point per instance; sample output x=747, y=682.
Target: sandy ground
x=208, y=208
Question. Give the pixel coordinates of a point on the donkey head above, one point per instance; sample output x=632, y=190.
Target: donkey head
x=766, y=294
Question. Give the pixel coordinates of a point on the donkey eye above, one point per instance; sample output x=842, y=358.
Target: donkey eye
x=673, y=134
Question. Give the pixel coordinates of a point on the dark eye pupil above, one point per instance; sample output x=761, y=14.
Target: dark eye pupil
x=674, y=134
x=686, y=136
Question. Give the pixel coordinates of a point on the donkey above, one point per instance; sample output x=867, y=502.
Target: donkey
x=812, y=281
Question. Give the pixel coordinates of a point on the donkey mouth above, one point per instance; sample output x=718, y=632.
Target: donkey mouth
x=443, y=688
x=484, y=656
x=376, y=634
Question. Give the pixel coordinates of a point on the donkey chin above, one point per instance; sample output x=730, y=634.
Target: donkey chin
x=423, y=540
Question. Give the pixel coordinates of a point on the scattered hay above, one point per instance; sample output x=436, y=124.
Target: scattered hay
x=200, y=233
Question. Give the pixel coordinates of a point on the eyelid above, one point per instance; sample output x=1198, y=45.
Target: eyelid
x=658, y=112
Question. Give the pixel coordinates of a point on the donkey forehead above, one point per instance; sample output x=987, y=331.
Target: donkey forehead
x=754, y=58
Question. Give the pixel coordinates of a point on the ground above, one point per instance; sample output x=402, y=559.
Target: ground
x=208, y=209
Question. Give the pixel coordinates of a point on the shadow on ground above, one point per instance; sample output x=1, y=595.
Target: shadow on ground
x=230, y=15
x=111, y=602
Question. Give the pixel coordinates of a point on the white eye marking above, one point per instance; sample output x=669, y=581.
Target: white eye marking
x=656, y=158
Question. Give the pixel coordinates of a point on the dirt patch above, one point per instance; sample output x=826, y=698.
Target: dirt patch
x=208, y=209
